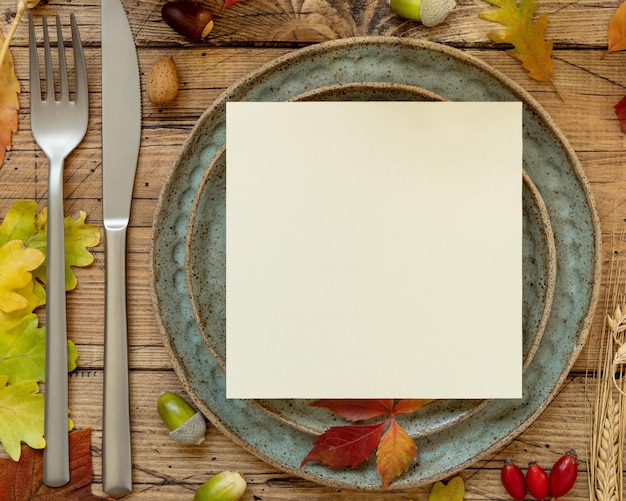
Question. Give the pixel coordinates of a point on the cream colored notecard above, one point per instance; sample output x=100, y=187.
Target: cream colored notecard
x=374, y=250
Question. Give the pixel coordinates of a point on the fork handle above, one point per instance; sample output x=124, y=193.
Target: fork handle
x=56, y=453
x=116, y=449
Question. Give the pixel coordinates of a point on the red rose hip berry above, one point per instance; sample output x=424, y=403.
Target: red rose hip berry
x=537, y=481
x=563, y=474
x=513, y=480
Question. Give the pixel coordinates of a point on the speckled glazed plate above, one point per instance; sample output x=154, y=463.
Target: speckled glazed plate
x=549, y=161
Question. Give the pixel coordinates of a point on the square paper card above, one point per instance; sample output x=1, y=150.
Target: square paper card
x=374, y=250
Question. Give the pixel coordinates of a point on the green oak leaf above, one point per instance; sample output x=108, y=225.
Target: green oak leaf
x=78, y=237
x=23, y=352
x=19, y=222
x=21, y=416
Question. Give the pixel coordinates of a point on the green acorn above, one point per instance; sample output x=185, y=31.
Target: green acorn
x=186, y=425
x=429, y=12
x=225, y=486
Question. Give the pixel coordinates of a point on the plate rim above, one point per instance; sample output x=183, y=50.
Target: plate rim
x=583, y=325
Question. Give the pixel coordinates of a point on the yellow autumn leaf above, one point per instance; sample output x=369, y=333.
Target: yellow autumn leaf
x=9, y=103
x=527, y=35
x=454, y=490
x=35, y=296
x=16, y=264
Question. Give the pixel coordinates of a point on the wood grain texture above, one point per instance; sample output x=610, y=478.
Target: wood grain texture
x=245, y=37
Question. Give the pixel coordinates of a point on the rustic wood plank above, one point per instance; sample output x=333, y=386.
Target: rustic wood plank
x=286, y=22
x=246, y=36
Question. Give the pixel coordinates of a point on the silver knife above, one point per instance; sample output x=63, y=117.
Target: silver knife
x=121, y=129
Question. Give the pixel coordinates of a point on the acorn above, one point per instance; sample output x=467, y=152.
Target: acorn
x=225, y=486
x=186, y=425
x=189, y=19
x=429, y=12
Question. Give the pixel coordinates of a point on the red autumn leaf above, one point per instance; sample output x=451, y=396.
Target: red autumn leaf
x=228, y=3
x=357, y=409
x=407, y=405
x=616, y=34
x=345, y=446
x=22, y=480
x=620, y=112
x=395, y=453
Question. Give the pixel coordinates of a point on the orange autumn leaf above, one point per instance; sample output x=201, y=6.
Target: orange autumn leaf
x=617, y=30
x=527, y=35
x=9, y=103
x=395, y=453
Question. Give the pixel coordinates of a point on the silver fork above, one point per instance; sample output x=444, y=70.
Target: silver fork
x=58, y=126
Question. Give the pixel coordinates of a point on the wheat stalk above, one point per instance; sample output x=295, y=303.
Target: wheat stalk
x=606, y=445
x=607, y=458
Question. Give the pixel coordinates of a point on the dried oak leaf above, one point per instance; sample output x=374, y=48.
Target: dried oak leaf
x=617, y=31
x=9, y=103
x=525, y=34
x=22, y=480
x=454, y=490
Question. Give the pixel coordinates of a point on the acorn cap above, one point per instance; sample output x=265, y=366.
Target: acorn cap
x=434, y=12
x=191, y=431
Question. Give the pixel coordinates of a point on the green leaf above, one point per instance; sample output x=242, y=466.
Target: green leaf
x=78, y=237
x=21, y=416
x=23, y=352
x=19, y=222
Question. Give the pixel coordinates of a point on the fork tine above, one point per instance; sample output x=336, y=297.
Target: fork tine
x=48, y=61
x=80, y=67
x=64, y=92
x=35, y=84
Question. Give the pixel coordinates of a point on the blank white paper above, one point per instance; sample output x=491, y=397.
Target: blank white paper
x=374, y=250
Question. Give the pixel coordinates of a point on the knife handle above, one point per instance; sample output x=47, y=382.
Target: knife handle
x=56, y=469
x=116, y=449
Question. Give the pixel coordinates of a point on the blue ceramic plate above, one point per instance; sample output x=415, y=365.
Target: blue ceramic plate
x=548, y=160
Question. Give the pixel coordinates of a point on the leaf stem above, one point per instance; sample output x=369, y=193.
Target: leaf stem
x=21, y=8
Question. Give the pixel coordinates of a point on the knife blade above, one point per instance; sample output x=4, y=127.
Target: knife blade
x=121, y=130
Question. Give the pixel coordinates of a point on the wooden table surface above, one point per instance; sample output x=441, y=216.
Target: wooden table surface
x=246, y=36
